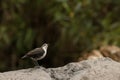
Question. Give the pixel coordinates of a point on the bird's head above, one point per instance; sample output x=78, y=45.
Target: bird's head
x=45, y=46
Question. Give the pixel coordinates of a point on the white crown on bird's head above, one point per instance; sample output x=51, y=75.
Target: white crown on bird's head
x=45, y=45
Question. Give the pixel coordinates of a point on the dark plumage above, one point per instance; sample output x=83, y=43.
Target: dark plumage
x=37, y=53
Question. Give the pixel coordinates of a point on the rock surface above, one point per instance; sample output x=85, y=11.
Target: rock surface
x=100, y=69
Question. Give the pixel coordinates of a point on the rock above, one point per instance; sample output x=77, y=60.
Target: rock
x=25, y=74
x=110, y=51
x=94, y=54
x=98, y=69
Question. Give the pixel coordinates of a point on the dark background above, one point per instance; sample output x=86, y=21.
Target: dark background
x=69, y=26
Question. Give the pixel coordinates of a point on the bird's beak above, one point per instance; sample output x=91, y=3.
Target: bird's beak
x=48, y=44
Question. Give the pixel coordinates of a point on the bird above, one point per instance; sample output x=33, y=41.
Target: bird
x=37, y=54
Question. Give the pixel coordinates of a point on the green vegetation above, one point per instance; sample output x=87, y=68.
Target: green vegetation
x=69, y=26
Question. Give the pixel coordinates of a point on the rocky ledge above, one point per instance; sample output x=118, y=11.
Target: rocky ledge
x=98, y=69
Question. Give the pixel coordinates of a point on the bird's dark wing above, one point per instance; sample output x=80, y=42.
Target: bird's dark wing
x=36, y=53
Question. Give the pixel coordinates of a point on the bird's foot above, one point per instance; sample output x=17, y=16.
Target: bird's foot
x=37, y=67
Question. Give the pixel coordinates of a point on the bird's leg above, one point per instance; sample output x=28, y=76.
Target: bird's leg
x=35, y=62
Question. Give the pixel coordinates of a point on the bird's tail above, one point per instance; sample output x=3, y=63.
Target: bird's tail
x=25, y=56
